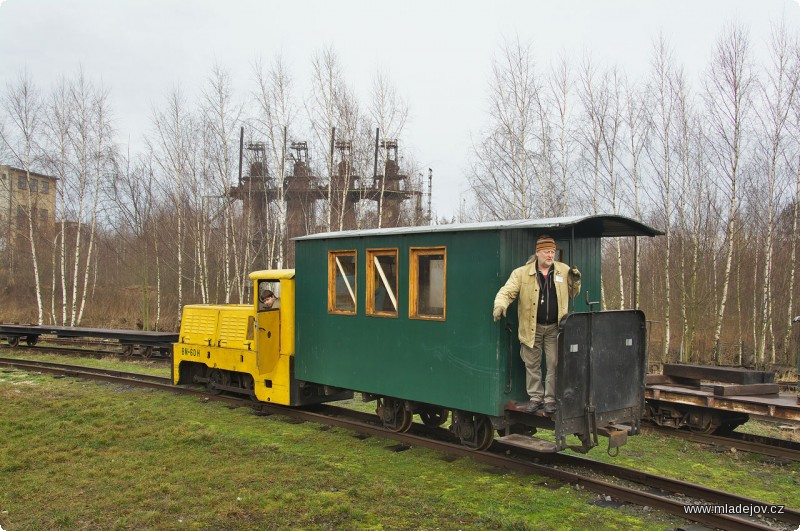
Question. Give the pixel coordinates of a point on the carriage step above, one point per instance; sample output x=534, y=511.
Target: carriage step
x=529, y=443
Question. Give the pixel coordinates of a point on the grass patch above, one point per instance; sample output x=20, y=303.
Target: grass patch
x=78, y=454
x=141, y=365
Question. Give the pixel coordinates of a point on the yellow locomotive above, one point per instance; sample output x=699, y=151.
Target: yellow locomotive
x=247, y=348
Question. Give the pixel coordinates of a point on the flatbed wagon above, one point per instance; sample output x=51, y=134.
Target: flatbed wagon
x=146, y=343
x=717, y=399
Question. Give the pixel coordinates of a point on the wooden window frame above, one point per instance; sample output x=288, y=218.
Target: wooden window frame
x=333, y=271
x=370, y=302
x=413, y=281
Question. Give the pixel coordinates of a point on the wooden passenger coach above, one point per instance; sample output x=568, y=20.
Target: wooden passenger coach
x=405, y=314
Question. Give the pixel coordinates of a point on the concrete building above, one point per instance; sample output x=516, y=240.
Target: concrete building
x=14, y=202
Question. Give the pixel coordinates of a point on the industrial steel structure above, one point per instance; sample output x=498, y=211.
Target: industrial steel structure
x=306, y=196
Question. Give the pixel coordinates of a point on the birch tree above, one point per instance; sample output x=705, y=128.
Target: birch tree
x=777, y=97
x=594, y=102
x=793, y=162
x=389, y=112
x=85, y=120
x=503, y=175
x=561, y=93
x=610, y=138
x=222, y=117
x=59, y=164
x=728, y=93
x=322, y=109
x=660, y=153
x=102, y=158
x=276, y=114
x=170, y=151
x=22, y=103
x=133, y=195
x=683, y=140
x=637, y=129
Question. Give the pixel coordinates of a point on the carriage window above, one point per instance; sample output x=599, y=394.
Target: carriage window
x=427, y=283
x=342, y=282
x=382, y=282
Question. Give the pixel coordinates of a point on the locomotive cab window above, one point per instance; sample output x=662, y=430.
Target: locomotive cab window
x=268, y=293
x=427, y=283
x=342, y=282
x=382, y=282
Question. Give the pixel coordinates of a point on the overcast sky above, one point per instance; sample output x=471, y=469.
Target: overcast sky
x=437, y=53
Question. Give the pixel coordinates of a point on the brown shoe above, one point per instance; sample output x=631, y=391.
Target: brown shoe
x=550, y=408
x=530, y=407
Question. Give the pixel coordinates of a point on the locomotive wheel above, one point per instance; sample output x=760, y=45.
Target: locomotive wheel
x=395, y=416
x=248, y=385
x=217, y=378
x=434, y=416
x=31, y=340
x=13, y=341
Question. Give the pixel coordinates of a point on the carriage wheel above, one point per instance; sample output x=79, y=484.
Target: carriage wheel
x=434, y=416
x=703, y=422
x=31, y=340
x=13, y=341
x=394, y=414
x=474, y=431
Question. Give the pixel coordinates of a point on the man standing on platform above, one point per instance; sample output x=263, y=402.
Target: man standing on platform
x=544, y=288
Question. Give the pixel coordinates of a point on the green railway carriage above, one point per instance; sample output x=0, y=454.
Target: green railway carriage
x=404, y=315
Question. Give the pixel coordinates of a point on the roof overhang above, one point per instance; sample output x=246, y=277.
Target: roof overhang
x=596, y=226
x=272, y=274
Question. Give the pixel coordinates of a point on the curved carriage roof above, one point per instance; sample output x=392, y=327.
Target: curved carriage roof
x=598, y=226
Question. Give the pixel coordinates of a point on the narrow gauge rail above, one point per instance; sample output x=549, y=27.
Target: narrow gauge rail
x=73, y=347
x=500, y=454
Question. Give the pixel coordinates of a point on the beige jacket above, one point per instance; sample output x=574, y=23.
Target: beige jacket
x=523, y=284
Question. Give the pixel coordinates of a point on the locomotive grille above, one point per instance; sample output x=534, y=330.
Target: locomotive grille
x=232, y=327
x=198, y=322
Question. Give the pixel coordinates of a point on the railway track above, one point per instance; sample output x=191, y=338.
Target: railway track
x=629, y=485
x=97, y=349
x=778, y=448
